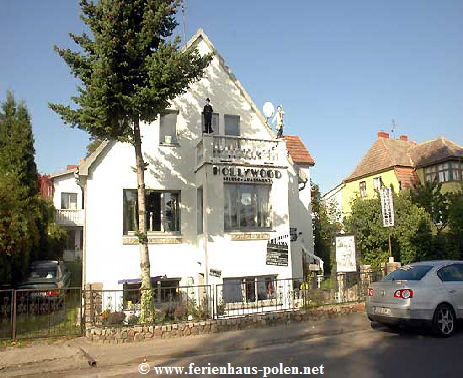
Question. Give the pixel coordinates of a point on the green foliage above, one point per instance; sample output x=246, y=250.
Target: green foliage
x=130, y=67
x=324, y=230
x=26, y=229
x=21, y=210
x=411, y=235
x=94, y=143
x=429, y=196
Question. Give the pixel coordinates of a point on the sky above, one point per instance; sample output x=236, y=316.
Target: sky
x=342, y=70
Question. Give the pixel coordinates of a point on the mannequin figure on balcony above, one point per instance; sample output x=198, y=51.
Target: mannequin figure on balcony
x=207, y=113
x=279, y=118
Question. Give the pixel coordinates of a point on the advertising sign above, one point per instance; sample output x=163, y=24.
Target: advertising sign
x=345, y=253
x=387, y=207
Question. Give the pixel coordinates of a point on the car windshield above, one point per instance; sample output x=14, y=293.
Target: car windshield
x=43, y=272
x=409, y=273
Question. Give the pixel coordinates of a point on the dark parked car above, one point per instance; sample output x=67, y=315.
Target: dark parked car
x=47, y=279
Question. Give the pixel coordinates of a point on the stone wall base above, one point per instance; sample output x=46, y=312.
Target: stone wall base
x=127, y=334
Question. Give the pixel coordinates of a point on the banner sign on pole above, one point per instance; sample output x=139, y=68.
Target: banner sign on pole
x=387, y=206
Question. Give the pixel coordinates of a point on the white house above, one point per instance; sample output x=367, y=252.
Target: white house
x=68, y=201
x=222, y=208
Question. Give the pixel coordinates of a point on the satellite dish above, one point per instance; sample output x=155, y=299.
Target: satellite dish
x=269, y=109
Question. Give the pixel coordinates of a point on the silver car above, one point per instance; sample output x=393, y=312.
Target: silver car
x=428, y=293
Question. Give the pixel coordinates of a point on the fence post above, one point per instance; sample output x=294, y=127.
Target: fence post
x=13, y=316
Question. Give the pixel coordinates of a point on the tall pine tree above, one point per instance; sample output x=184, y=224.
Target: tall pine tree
x=22, y=230
x=130, y=67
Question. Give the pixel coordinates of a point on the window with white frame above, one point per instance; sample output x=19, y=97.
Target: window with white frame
x=168, y=127
x=247, y=207
x=69, y=201
x=162, y=211
x=448, y=171
x=214, y=123
x=232, y=125
x=378, y=183
x=363, y=189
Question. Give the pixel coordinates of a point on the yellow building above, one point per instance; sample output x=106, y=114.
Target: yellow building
x=401, y=164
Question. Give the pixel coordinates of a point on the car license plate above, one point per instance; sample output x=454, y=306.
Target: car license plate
x=382, y=310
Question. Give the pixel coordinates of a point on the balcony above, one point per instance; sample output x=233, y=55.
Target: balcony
x=238, y=150
x=66, y=217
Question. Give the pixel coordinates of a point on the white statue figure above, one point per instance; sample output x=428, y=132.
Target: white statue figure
x=279, y=119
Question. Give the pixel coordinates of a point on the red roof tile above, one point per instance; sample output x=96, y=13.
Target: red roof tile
x=298, y=151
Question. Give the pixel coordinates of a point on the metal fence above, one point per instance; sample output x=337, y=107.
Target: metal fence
x=169, y=304
x=265, y=294
x=6, y=314
x=33, y=313
x=47, y=313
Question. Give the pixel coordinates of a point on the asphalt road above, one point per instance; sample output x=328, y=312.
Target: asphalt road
x=367, y=353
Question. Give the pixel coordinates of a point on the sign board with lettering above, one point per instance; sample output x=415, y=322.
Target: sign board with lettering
x=345, y=253
x=215, y=272
x=387, y=206
x=245, y=174
x=277, y=254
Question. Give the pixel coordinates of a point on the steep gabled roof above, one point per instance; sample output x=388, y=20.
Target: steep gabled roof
x=298, y=151
x=435, y=151
x=196, y=39
x=384, y=154
x=201, y=35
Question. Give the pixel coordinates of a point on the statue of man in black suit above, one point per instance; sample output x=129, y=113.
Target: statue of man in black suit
x=207, y=112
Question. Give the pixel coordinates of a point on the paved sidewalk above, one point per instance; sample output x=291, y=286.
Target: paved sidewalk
x=42, y=358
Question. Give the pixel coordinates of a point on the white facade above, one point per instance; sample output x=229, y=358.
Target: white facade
x=69, y=213
x=333, y=203
x=201, y=173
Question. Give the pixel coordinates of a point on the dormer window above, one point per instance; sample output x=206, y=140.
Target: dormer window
x=444, y=172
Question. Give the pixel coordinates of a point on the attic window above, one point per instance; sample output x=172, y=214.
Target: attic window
x=448, y=171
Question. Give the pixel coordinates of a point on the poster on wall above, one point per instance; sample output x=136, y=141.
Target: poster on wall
x=345, y=253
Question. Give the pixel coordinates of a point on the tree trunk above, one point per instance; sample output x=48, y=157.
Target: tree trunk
x=147, y=303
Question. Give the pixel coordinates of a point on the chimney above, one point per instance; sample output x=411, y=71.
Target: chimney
x=382, y=134
x=403, y=137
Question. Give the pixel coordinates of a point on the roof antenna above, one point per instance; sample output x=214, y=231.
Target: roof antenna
x=393, y=128
x=183, y=21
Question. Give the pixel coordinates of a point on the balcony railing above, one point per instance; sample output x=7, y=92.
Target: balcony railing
x=215, y=149
x=66, y=217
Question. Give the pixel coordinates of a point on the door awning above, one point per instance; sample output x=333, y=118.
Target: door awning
x=138, y=280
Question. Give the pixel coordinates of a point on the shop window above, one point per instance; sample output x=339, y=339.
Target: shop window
x=249, y=289
x=162, y=211
x=247, y=207
x=232, y=125
x=164, y=290
x=168, y=127
x=69, y=201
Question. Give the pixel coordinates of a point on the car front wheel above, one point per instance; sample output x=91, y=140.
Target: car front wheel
x=443, y=323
